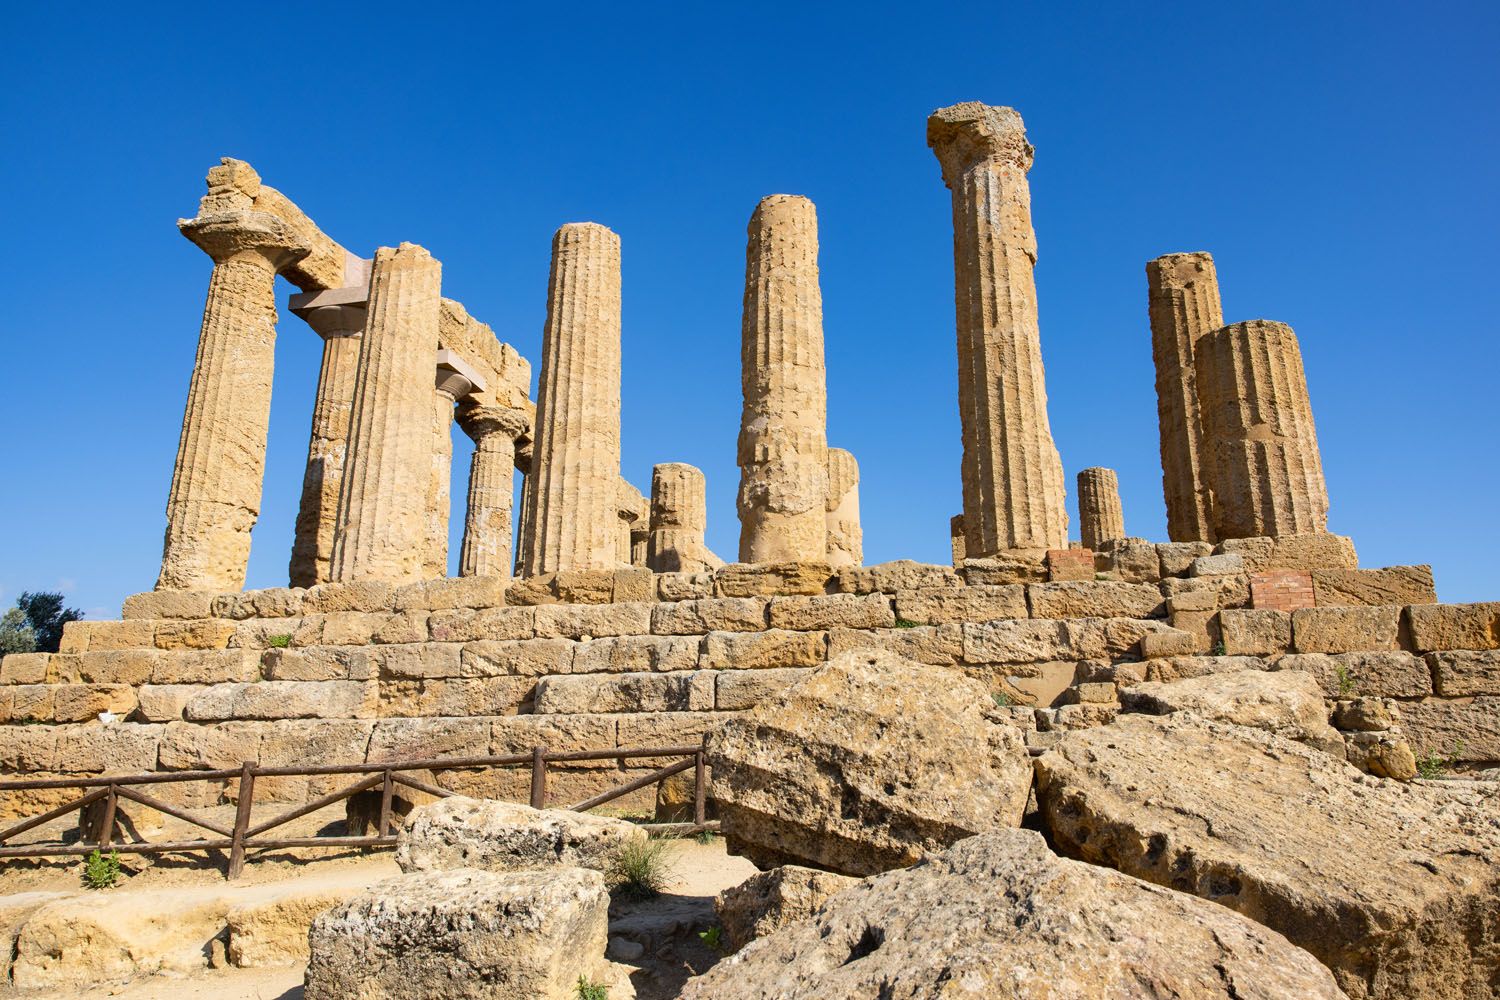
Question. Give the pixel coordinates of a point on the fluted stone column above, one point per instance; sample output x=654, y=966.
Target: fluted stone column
x=522, y=539
x=1014, y=495
x=340, y=326
x=221, y=455
x=1183, y=297
x=679, y=518
x=1100, y=516
x=572, y=517
x=845, y=539
x=1260, y=448
x=454, y=380
x=487, y=524
x=783, y=439
x=382, y=531
x=956, y=538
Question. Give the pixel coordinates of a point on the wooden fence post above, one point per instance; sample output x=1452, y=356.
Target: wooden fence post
x=107, y=829
x=538, y=777
x=241, y=820
x=386, y=788
x=700, y=785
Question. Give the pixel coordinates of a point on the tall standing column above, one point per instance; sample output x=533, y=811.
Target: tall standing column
x=454, y=380
x=783, y=440
x=382, y=530
x=845, y=539
x=572, y=517
x=679, y=518
x=634, y=514
x=522, y=539
x=487, y=524
x=1100, y=516
x=221, y=455
x=340, y=326
x=1260, y=447
x=1014, y=496
x=1183, y=297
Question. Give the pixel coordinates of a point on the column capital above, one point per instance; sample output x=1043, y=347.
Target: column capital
x=333, y=312
x=479, y=422
x=966, y=134
x=230, y=234
x=455, y=376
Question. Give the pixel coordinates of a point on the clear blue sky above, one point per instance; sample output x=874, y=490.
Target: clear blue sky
x=1337, y=159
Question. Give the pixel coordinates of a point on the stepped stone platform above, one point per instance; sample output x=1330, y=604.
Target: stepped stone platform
x=587, y=660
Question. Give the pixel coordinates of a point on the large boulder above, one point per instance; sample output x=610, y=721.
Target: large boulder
x=866, y=764
x=1394, y=887
x=768, y=901
x=1286, y=702
x=1000, y=916
x=460, y=832
x=463, y=935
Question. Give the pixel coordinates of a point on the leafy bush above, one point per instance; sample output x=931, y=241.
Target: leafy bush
x=101, y=871
x=713, y=938
x=279, y=641
x=641, y=870
x=591, y=991
x=1347, y=687
x=16, y=633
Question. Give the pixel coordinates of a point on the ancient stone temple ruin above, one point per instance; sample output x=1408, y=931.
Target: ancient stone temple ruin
x=594, y=616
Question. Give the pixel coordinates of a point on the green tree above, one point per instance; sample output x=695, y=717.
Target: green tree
x=47, y=616
x=16, y=633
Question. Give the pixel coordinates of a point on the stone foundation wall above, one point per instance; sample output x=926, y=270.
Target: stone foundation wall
x=586, y=661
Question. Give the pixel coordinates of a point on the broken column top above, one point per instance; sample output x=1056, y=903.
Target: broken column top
x=965, y=134
x=1179, y=268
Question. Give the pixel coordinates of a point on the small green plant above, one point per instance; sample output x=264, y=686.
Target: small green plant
x=1435, y=765
x=704, y=837
x=1101, y=576
x=1002, y=700
x=279, y=641
x=1347, y=687
x=641, y=870
x=590, y=990
x=713, y=938
x=903, y=623
x=101, y=871
x=1219, y=649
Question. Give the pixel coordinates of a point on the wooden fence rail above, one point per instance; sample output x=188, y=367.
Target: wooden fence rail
x=246, y=836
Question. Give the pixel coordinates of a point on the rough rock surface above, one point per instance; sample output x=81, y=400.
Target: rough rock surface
x=462, y=934
x=870, y=761
x=999, y=916
x=771, y=900
x=1392, y=886
x=460, y=832
x=1287, y=702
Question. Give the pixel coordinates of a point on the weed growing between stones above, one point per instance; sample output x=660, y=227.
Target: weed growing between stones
x=101, y=871
x=641, y=870
x=279, y=641
x=591, y=991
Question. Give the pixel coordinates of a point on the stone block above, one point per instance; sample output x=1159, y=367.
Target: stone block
x=576, y=621
x=85, y=702
x=945, y=605
x=518, y=734
x=75, y=635
x=1465, y=731
x=772, y=579
x=1462, y=673
x=583, y=586
x=284, y=700
x=807, y=614
x=890, y=577
x=584, y=694
x=1192, y=601
x=304, y=742
x=636, y=654
x=319, y=663
x=270, y=931
x=736, y=690
x=769, y=901
x=275, y=602
x=123, y=666
x=206, y=666
x=942, y=645
x=1363, y=587
x=274, y=633
x=170, y=604
x=1344, y=630
x=1110, y=638
x=1176, y=642
x=1023, y=641
x=1437, y=627
x=1014, y=566
x=424, y=739
x=1091, y=693
x=28, y=703
x=187, y=746
x=208, y=633
x=665, y=729
x=132, y=633
x=699, y=617
x=1071, y=564
x=458, y=592
x=467, y=625
x=24, y=668
x=1386, y=675
x=526, y=658
x=1260, y=633
x=1178, y=668
x=460, y=832
x=456, y=697
x=28, y=749
x=1131, y=561
x=118, y=748
x=361, y=595
x=416, y=660
x=684, y=586
x=1095, y=599
x=759, y=650
x=1316, y=550
x=1228, y=564
x=1176, y=558
x=633, y=586
x=1228, y=591
x=164, y=702
x=401, y=627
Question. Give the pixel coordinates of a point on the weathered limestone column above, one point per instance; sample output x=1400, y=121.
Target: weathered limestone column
x=338, y=316
x=454, y=380
x=679, y=517
x=523, y=466
x=572, y=515
x=221, y=455
x=487, y=525
x=382, y=530
x=956, y=539
x=841, y=511
x=634, y=516
x=1260, y=448
x=1183, y=297
x=783, y=439
x=1014, y=496
x=1100, y=517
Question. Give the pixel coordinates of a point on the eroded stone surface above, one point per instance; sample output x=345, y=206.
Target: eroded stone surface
x=460, y=832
